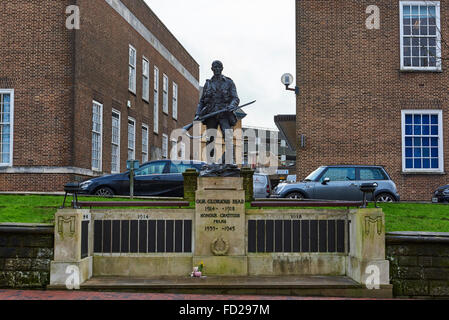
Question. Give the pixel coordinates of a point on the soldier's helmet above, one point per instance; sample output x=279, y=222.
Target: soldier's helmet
x=217, y=63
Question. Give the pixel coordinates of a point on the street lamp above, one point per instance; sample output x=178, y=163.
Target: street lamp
x=287, y=79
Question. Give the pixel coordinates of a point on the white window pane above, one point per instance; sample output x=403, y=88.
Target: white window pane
x=131, y=140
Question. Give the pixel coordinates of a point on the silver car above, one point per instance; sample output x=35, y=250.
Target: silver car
x=340, y=183
x=261, y=186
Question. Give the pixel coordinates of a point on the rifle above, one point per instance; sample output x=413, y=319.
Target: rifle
x=216, y=113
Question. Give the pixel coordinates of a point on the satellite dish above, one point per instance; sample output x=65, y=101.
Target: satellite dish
x=287, y=79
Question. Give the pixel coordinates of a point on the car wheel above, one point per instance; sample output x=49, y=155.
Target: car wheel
x=104, y=192
x=385, y=197
x=295, y=195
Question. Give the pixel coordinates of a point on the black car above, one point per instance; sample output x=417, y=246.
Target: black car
x=441, y=195
x=156, y=178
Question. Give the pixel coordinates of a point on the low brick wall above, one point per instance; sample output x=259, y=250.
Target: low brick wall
x=419, y=264
x=25, y=255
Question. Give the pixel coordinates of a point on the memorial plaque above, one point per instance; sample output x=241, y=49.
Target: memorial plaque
x=220, y=225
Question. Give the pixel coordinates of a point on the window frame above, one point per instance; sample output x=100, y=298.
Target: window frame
x=11, y=127
x=439, y=65
x=165, y=151
x=119, y=139
x=174, y=149
x=156, y=101
x=165, y=85
x=134, y=133
x=145, y=152
x=145, y=78
x=175, y=101
x=100, y=133
x=134, y=68
x=440, y=140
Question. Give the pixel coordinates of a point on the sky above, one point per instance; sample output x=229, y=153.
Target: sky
x=255, y=40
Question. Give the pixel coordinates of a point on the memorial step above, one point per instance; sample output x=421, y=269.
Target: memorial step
x=310, y=286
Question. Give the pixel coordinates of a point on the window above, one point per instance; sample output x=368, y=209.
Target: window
x=131, y=139
x=144, y=143
x=132, y=69
x=115, y=163
x=420, y=35
x=164, y=146
x=153, y=168
x=145, y=80
x=6, y=126
x=175, y=101
x=156, y=100
x=165, y=94
x=97, y=143
x=180, y=168
x=422, y=140
x=371, y=174
x=339, y=174
x=183, y=151
x=174, y=150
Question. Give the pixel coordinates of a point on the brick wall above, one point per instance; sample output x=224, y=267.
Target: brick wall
x=102, y=47
x=352, y=91
x=419, y=264
x=57, y=73
x=37, y=63
x=25, y=255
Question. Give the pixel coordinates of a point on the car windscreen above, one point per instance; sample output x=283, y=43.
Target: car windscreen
x=314, y=175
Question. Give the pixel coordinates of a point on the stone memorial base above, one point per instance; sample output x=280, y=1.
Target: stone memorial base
x=289, y=251
x=220, y=226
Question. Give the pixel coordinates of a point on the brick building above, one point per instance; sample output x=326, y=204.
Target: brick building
x=375, y=96
x=79, y=103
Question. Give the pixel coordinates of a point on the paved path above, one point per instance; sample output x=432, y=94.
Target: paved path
x=81, y=295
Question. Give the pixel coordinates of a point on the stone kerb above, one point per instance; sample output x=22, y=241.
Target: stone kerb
x=367, y=246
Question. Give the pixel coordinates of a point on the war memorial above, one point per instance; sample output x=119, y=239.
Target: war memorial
x=239, y=245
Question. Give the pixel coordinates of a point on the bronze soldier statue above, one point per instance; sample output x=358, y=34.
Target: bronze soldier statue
x=219, y=93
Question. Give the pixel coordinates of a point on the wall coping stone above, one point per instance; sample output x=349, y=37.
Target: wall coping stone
x=30, y=228
x=417, y=237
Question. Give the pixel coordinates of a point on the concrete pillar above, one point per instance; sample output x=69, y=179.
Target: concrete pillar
x=190, y=184
x=69, y=266
x=247, y=175
x=366, y=261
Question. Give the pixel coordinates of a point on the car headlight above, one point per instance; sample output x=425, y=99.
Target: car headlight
x=86, y=184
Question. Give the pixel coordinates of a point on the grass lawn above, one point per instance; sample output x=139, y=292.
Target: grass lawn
x=399, y=217
x=40, y=209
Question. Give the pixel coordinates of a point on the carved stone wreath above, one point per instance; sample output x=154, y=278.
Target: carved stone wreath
x=219, y=247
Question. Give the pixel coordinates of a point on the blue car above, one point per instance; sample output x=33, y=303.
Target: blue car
x=340, y=183
x=156, y=178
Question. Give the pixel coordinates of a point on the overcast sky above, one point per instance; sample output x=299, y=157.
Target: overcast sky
x=255, y=40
